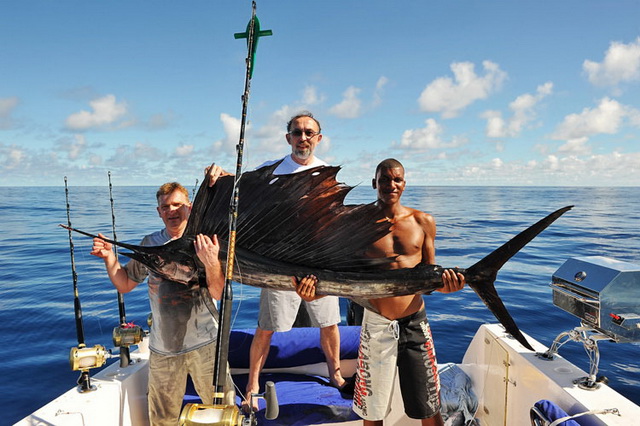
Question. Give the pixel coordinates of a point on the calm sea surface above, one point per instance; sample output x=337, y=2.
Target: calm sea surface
x=36, y=309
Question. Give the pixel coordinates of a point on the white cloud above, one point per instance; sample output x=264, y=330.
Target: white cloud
x=605, y=118
x=523, y=109
x=106, y=111
x=497, y=163
x=12, y=157
x=621, y=64
x=148, y=153
x=350, y=107
x=377, y=94
x=74, y=146
x=160, y=120
x=634, y=117
x=7, y=105
x=426, y=138
x=269, y=141
x=184, y=150
x=612, y=169
x=449, y=96
x=77, y=147
x=310, y=96
x=604, y=169
x=575, y=147
x=231, y=127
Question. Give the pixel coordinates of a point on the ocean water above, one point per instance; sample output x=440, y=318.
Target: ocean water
x=36, y=308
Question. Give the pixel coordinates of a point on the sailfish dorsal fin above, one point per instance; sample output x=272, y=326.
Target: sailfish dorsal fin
x=296, y=218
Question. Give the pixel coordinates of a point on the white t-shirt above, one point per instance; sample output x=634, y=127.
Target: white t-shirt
x=289, y=166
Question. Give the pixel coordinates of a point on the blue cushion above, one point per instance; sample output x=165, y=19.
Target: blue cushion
x=303, y=400
x=552, y=412
x=299, y=346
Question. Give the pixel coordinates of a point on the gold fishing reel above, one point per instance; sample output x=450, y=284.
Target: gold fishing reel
x=127, y=335
x=82, y=358
x=200, y=414
x=229, y=415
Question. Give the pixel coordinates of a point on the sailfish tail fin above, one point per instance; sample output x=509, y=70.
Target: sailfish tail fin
x=482, y=275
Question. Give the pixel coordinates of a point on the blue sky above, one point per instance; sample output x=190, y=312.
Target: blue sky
x=489, y=92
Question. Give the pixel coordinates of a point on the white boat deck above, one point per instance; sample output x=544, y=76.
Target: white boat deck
x=502, y=371
x=507, y=378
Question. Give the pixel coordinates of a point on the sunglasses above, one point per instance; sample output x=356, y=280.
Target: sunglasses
x=298, y=133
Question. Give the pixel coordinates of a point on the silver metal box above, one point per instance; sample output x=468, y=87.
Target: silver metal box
x=604, y=293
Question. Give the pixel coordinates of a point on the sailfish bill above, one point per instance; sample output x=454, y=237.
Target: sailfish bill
x=294, y=225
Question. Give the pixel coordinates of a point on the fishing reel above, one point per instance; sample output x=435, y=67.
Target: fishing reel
x=82, y=358
x=124, y=336
x=229, y=415
x=127, y=335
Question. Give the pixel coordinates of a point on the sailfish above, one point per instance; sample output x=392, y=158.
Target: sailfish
x=298, y=224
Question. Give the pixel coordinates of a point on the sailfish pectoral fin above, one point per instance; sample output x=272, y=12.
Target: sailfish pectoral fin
x=481, y=276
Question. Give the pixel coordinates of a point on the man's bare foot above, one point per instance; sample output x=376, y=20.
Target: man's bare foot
x=337, y=383
x=347, y=386
x=246, y=403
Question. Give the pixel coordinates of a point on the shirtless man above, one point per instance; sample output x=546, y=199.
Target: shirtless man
x=398, y=333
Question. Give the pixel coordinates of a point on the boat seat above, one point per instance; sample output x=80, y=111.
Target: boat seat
x=304, y=399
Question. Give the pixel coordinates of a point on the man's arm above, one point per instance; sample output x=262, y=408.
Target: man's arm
x=117, y=274
x=452, y=281
x=207, y=250
x=428, y=225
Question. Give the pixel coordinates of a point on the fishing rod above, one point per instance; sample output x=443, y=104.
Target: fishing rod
x=81, y=358
x=193, y=191
x=126, y=334
x=220, y=371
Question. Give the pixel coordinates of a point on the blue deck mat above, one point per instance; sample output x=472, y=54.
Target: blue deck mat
x=303, y=399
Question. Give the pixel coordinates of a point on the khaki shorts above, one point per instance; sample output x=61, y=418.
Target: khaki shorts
x=168, y=380
x=278, y=310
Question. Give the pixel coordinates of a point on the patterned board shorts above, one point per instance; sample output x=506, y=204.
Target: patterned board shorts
x=407, y=344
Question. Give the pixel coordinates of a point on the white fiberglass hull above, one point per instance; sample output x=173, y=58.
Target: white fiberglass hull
x=507, y=379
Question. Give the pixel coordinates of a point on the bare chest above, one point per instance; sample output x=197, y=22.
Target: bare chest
x=403, y=240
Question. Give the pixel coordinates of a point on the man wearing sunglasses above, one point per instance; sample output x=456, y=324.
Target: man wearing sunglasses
x=279, y=308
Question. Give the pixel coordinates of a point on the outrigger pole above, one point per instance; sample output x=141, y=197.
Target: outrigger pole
x=252, y=34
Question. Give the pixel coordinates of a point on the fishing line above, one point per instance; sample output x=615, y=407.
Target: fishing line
x=235, y=317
